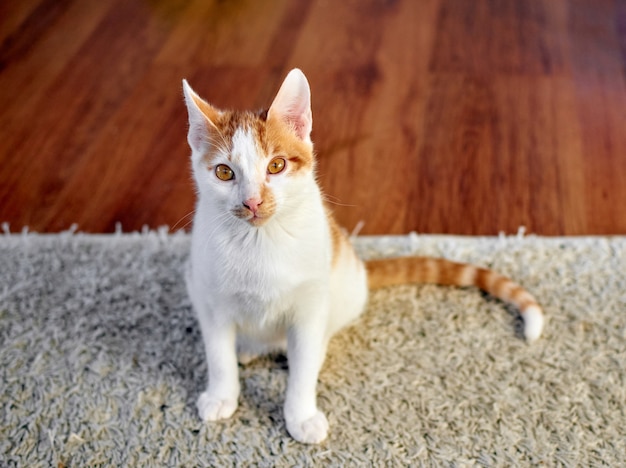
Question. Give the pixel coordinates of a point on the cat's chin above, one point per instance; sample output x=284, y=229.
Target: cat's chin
x=257, y=221
x=252, y=220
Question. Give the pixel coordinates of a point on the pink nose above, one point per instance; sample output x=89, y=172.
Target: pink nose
x=253, y=204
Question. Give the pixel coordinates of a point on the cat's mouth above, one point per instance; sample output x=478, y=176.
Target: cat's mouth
x=256, y=220
x=256, y=216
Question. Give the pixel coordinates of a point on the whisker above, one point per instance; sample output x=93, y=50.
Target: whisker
x=185, y=217
x=335, y=201
x=222, y=219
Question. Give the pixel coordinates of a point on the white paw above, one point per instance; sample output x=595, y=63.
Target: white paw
x=211, y=408
x=310, y=431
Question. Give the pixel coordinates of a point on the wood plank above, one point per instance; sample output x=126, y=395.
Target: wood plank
x=15, y=16
x=598, y=77
x=87, y=92
x=441, y=116
x=366, y=105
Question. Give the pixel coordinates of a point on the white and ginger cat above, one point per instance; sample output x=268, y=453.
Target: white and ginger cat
x=270, y=269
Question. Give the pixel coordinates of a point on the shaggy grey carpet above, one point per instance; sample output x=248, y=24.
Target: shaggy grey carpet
x=101, y=362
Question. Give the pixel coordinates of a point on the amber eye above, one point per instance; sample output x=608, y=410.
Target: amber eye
x=223, y=172
x=276, y=166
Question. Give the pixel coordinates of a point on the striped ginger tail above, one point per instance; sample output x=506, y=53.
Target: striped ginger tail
x=404, y=270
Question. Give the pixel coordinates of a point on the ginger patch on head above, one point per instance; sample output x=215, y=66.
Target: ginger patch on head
x=281, y=141
x=272, y=137
x=224, y=128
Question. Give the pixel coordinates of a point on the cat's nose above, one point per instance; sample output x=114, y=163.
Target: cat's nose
x=253, y=204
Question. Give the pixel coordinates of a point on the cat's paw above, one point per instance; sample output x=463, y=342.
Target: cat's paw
x=211, y=408
x=309, y=431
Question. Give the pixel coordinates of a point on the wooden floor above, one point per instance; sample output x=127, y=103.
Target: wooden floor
x=435, y=116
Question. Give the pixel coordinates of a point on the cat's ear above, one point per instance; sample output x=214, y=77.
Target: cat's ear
x=202, y=118
x=292, y=104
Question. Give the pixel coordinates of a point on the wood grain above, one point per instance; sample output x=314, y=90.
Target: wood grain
x=437, y=116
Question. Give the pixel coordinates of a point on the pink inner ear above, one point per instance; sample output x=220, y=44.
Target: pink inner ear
x=201, y=117
x=301, y=123
x=198, y=135
x=292, y=104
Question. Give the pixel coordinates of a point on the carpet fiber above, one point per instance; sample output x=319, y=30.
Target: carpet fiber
x=101, y=362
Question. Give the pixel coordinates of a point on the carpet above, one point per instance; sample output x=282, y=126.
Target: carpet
x=101, y=362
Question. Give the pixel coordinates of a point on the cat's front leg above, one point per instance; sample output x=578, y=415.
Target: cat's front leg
x=306, y=349
x=220, y=399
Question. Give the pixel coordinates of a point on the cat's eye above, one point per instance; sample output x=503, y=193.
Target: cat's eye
x=223, y=172
x=276, y=166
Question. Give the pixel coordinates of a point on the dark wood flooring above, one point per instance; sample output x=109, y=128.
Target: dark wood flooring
x=435, y=116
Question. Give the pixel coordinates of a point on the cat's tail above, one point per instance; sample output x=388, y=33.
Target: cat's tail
x=405, y=270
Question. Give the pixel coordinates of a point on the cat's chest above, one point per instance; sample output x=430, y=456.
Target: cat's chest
x=262, y=288
x=261, y=277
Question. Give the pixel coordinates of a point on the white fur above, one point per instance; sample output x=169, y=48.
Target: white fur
x=533, y=323
x=259, y=288
x=278, y=286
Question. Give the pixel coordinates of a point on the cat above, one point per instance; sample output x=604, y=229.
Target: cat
x=270, y=269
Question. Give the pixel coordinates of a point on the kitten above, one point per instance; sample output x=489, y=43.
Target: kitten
x=270, y=269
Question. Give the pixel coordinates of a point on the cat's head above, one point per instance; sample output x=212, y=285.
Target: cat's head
x=253, y=165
